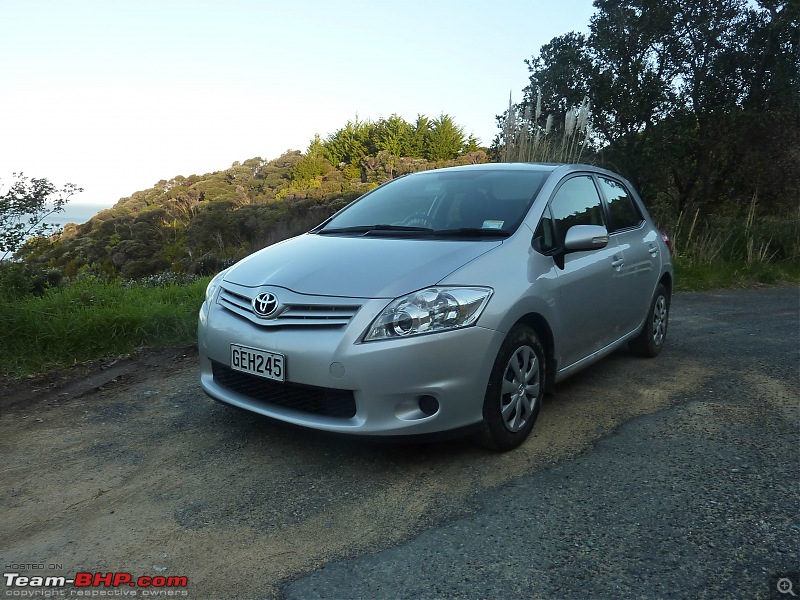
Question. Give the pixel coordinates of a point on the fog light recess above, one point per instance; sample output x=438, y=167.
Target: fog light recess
x=428, y=405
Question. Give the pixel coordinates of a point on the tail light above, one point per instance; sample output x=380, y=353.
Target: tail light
x=667, y=241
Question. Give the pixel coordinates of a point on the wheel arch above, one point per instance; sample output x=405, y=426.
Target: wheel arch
x=666, y=281
x=545, y=333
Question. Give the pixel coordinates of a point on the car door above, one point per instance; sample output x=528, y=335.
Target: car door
x=638, y=243
x=587, y=284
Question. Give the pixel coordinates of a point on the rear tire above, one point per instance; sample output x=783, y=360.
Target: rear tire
x=651, y=338
x=515, y=390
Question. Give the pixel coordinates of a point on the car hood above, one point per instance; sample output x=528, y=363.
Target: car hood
x=356, y=267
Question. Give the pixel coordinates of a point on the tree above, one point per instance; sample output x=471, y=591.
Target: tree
x=560, y=77
x=471, y=145
x=25, y=206
x=349, y=144
x=632, y=72
x=393, y=135
x=419, y=134
x=445, y=139
x=310, y=168
x=695, y=101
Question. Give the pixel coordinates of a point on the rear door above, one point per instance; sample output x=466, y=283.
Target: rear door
x=638, y=244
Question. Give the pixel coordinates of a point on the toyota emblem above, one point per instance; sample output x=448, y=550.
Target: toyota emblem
x=265, y=304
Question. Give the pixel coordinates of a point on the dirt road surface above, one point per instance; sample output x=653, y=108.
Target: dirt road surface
x=664, y=471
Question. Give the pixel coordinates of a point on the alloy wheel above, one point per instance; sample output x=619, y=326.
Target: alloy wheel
x=520, y=390
x=659, y=320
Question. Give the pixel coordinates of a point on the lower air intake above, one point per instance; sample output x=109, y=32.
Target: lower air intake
x=308, y=399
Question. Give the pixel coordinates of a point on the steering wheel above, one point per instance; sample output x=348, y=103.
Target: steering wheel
x=418, y=219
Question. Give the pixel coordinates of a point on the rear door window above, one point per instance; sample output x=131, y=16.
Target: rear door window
x=621, y=207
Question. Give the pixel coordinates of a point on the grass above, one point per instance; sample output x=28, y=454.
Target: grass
x=697, y=277
x=93, y=319
x=726, y=252
x=747, y=238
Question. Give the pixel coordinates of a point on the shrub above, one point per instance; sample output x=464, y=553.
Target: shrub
x=18, y=280
x=161, y=280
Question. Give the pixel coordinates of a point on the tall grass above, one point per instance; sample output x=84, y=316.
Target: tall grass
x=527, y=139
x=751, y=240
x=724, y=251
x=94, y=319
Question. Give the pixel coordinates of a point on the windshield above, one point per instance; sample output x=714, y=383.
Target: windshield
x=482, y=203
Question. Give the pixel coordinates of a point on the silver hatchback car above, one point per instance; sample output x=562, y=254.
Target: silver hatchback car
x=445, y=301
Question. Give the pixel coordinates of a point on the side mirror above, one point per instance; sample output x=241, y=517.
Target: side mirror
x=585, y=237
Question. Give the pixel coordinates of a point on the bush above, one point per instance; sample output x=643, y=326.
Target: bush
x=136, y=269
x=161, y=280
x=207, y=264
x=18, y=280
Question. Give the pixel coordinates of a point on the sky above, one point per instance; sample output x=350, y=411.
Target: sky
x=115, y=95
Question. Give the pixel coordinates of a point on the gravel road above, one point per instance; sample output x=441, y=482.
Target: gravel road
x=673, y=477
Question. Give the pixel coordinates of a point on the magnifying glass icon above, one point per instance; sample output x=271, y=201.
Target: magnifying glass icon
x=785, y=586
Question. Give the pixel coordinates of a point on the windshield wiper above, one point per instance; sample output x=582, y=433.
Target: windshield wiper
x=377, y=229
x=384, y=229
x=471, y=232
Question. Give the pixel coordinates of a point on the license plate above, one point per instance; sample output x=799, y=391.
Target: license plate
x=258, y=362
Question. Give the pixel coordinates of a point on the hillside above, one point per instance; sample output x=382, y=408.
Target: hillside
x=198, y=224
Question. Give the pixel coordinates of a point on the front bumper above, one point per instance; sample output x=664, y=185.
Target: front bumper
x=387, y=378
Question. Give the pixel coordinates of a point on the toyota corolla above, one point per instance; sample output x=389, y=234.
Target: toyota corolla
x=442, y=302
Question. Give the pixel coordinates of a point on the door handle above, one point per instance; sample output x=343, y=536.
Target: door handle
x=617, y=262
x=653, y=250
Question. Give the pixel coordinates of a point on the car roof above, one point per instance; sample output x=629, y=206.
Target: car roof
x=542, y=167
x=559, y=169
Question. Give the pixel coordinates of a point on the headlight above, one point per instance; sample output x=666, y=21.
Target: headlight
x=213, y=285
x=428, y=311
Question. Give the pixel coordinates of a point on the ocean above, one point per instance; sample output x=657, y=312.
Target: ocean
x=75, y=212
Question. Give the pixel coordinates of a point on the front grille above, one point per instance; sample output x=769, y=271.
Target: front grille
x=308, y=399
x=297, y=314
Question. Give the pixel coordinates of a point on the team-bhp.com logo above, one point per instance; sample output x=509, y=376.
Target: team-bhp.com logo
x=95, y=580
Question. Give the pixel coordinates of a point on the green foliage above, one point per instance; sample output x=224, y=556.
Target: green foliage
x=559, y=80
x=25, y=205
x=419, y=136
x=308, y=169
x=444, y=140
x=392, y=135
x=736, y=250
x=697, y=103
x=94, y=319
x=195, y=224
x=349, y=144
x=435, y=140
x=19, y=280
x=748, y=239
x=471, y=145
x=691, y=276
x=164, y=279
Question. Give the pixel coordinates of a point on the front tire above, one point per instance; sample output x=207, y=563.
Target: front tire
x=651, y=338
x=515, y=391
